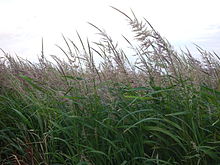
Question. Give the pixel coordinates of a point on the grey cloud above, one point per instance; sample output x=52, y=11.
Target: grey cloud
x=210, y=42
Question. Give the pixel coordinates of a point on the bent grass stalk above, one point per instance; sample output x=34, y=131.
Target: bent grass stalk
x=164, y=109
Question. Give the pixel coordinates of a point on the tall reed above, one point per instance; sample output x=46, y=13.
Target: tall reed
x=163, y=109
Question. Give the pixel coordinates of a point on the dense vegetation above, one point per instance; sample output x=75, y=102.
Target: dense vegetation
x=163, y=109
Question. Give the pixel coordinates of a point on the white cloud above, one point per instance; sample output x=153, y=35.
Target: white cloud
x=24, y=22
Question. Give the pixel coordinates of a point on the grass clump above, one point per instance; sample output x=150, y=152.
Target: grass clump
x=164, y=109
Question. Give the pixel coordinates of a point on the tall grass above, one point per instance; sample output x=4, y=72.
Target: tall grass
x=164, y=109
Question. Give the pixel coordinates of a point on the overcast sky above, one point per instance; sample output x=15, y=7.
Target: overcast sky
x=25, y=22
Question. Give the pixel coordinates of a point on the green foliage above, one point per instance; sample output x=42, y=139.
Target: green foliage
x=85, y=115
